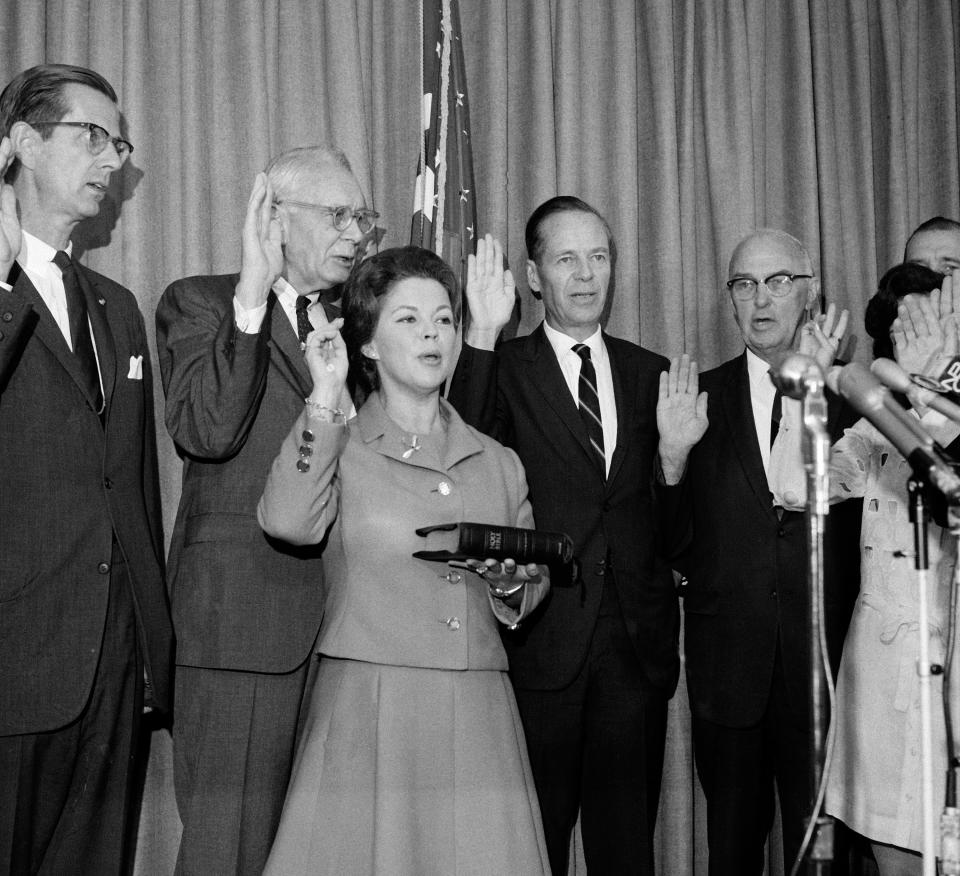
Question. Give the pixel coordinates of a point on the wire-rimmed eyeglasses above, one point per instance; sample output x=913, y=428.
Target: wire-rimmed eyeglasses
x=342, y=216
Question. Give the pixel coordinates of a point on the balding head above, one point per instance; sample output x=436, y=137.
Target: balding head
x=770, y=321
x=936, y=245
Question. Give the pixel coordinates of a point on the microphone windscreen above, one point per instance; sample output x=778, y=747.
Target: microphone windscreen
x=892, y=375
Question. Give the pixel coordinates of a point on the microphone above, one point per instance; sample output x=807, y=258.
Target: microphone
x=797, y=374
x=873, y=400
x=898, y=380
x=480, y=541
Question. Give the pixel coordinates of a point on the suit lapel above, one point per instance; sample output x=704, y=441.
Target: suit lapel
x=738, y=410
x=102, y=335
x=625, y=409
x=283, y=340
x=47, y=331
x=549, y=381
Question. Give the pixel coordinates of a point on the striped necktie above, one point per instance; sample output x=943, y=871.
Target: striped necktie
x=590, y=404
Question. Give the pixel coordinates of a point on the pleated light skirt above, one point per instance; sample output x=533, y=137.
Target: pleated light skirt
x=410, y=771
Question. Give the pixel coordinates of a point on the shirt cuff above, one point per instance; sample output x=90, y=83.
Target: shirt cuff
x=249, y=321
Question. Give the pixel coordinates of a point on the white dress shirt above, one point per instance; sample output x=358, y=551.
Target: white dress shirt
x=36, y=259
x=250, y=321
x=570, y=366
x=762, y=392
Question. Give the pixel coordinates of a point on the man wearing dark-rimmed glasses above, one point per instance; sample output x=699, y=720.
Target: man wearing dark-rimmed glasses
x=745, y=561
x=247, y=608
x=85, y=636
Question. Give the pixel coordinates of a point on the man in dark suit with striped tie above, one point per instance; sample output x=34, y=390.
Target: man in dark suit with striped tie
x=246, y=608
x=594, y=667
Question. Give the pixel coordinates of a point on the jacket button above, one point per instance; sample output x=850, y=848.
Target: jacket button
x=103, y=568
x=307, y=435
x=773, y=594
x=8, y=316
x=303, y=465
x=306, y=450
x=781, y=532
x=453, y=623
x=452, y=577
x=107, y=484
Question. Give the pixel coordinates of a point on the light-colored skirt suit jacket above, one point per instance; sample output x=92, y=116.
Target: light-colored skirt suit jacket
x=412, y=759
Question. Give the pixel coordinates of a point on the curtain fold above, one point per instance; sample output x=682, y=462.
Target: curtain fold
x=687, y=124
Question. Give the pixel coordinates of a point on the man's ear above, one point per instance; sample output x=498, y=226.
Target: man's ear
x=26, y=140
x=533, y=278
x=280, y=217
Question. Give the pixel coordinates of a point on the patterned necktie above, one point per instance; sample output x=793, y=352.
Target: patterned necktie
x=590, y=404
x=304, y=326
x=80, y=328
x=776, y=412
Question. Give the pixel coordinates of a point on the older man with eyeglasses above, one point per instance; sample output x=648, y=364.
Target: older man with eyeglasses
x=85, y=636
x=247, y=608
x=745, y=561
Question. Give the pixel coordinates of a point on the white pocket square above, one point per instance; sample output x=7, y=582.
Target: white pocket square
x=136, y=368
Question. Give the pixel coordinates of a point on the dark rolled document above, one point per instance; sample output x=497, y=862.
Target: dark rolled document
x=481, y=541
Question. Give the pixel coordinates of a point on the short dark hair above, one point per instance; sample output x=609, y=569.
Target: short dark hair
x=937, y=223
x=906, y=279
x=36, y=95
x=560, y=204
x=362, y=296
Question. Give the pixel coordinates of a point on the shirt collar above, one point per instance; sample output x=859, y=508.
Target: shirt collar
x=562, y=342
x=759, y=372
x=37, y=255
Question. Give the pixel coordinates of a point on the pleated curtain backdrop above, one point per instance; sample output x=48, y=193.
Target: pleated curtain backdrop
x=687, y=123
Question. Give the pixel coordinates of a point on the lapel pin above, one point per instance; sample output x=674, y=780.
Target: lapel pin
x=101, y=301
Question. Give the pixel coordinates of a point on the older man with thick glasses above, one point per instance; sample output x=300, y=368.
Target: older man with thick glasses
x=247, y=608
x=85, y=636
x=745, y=635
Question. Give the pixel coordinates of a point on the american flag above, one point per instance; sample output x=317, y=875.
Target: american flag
x=445, y=207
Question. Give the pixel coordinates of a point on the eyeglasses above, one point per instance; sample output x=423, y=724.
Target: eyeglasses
x=342, y=216
x=97, y=138
x=779, y=285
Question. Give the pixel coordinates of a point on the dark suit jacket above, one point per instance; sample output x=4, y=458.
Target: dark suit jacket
x=241, y=600
x=69, y=487
x=518, y=396
x=746, y=567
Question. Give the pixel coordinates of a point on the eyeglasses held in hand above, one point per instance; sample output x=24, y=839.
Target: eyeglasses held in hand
x=97, y=138
x=779, y=285
x=342, y=216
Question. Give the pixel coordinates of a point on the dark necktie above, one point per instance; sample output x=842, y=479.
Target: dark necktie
x=304, y=326
x=590, y=403
x=80, y=328
x=776, y=413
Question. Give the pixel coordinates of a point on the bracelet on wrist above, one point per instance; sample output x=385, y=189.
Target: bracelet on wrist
x=318, y=411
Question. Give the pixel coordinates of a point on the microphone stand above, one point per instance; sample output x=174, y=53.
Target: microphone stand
x=918, y=516
x=816, y=455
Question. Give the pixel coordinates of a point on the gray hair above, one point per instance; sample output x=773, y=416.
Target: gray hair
x=292, y=170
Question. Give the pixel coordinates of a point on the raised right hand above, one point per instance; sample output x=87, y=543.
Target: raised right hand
x=261, y=255
x=9, y=220
x=681, y=415
x=490, y=293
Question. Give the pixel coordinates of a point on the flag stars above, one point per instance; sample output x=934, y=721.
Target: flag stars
x=463, y=194
x=460, y=97
x=438, y=48
x=470, y=229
